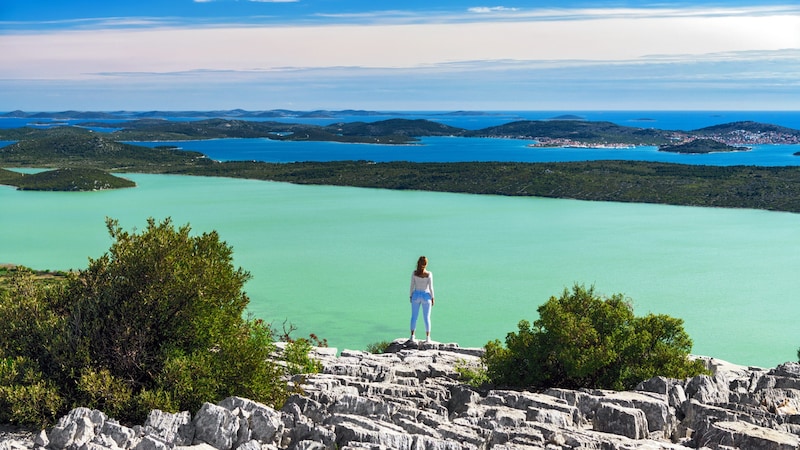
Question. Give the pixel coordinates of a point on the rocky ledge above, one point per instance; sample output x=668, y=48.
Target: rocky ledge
x=411, y=398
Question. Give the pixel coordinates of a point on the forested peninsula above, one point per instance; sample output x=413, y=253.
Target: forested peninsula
x=768, y=188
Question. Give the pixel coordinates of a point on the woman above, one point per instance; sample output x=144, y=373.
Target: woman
x=421, y=295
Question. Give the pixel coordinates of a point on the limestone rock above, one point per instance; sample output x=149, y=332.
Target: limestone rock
x=625, y=421
x=174, y=429
x=746, y=436
x=412, y=398
x=216, y=426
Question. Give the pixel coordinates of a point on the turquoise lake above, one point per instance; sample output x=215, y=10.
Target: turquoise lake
x=336, y=261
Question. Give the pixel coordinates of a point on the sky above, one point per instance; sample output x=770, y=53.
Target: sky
x=410, y=55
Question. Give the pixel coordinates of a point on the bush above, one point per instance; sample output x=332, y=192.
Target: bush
x=378, y=347
x=155, y=323
x=297, y=357
x=471, y=374
x=103, y=391
x=25, y=396
x=584, y=341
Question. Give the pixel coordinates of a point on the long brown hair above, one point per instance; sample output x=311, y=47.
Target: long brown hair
x=422, y=262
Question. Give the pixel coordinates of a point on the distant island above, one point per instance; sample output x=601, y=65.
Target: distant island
x=700, y=146
x=77, y=147
x=69, y=179
x=560, y=131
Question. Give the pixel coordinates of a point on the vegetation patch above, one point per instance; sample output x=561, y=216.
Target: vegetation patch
x=701, y=146
x=72, y=179
x=157, y=322
x=582, y=340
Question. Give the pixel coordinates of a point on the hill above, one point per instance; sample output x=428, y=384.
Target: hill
x=701, y=146
x=9, y=177
x=72, y=179
x=61, y=147
x=575, y=130
x=395, y=131
x=749, y=132
x=769, y=188
x=404, y=127
x=747, y=126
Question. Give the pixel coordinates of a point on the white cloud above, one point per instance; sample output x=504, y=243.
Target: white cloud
x=490, y=9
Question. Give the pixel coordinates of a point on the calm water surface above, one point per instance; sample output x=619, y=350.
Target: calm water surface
x=455, y=149
x=336, y=261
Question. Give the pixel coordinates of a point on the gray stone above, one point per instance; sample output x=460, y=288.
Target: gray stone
x=747, y=436
x=151, y=443
x=789, y=370
x=624, y=421
x=120, y=434
x=175, y=429
x=216, y=426
x=72, y=433
x=76, y=428
x=41, y=439
x=200, y=446
x=655, y=407
x=250, y=445
x=707, y=389
x=676, y=396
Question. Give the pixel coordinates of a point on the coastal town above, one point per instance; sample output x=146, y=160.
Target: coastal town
x=733, y=137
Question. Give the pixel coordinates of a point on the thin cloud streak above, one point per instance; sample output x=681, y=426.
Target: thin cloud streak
x=735, y=81
x=492, y=57
x=402, y=16
x=73, y=54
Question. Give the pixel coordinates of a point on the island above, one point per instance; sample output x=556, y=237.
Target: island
x=701, y=146
x=70, y=179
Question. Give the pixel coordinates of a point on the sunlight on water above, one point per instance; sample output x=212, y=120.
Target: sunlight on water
x=336, y=261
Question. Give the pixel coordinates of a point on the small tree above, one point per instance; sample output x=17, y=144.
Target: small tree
x=582, y=340
x=161, y=314
x=156, y=322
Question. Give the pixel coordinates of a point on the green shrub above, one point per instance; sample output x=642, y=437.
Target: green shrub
x=156, y=322
x=26, y=307
x=103, y=391
x=296, y=355
x=471, y=374
x=25, y=396
x=147, y=400
x=584, y=341
x=378, y=347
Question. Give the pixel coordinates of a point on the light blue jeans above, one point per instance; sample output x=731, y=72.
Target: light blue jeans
x=421, y=298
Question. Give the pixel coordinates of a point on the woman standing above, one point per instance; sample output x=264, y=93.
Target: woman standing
x=421, y=294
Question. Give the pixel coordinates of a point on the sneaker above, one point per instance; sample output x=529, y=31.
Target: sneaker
x=428, y=339
x=411, y=340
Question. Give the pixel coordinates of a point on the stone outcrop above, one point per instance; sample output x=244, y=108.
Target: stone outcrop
x=410, y=398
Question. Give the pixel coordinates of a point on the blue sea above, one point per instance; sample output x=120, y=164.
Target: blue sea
x=452, y=149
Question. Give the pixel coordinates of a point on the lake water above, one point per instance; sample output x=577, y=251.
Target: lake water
x=336, y=261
